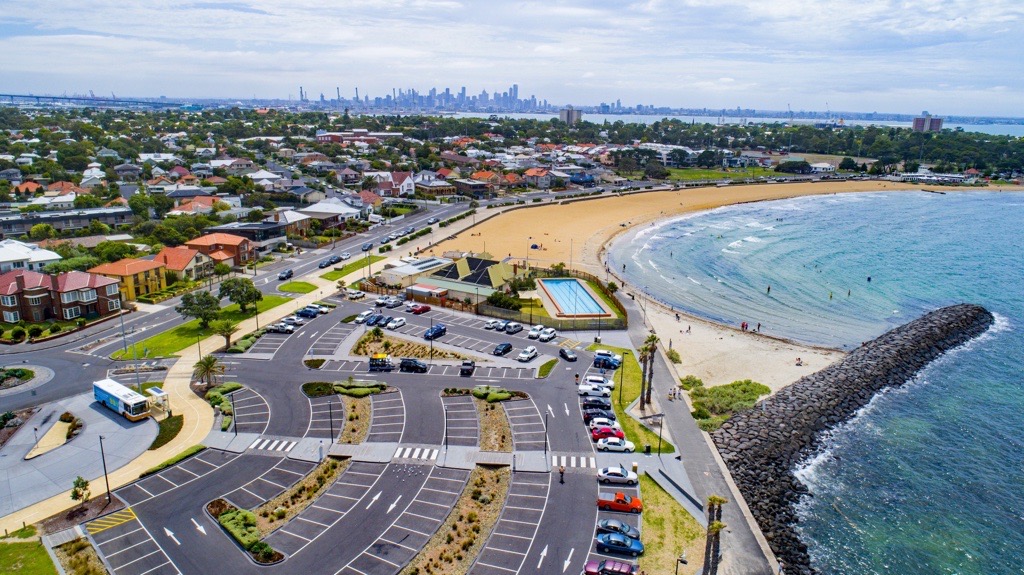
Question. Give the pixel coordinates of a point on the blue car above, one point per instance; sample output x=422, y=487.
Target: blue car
x=435, y=332
x=374, y=319
x=618, y=543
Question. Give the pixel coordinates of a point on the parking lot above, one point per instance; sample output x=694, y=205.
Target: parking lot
x=328, y=342
x=513, y=534
x=128, y=547
x=326, y=417
x=266, y=346
x=462, y=425
x=413, y=527
x=527, y=425
x=387, y=418
x=328, y=509
x=175, y=476
x=267, y=486
x=252, y=413
x=482, y=370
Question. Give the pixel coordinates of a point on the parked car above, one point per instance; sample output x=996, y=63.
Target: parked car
x=616, y=526
x=527, y=354
x=374, y=320
x=502, y=349
x=354, y=294
x=468, y=367
x=595, y=401
x=324, y=264
x=363, y=316
x=345, y=256
x=599, y=381
x=322, y=308
x=567, y=354
x=335, y=258
x=419, y=309
x=619, y=502
x=367, y=246
x=603, y=422
x=513, y=327
x=381, y=362
x=384, y=240
x=308, y=312
x=280, y=328
x=412, y=366
x=615, y=444
x=534, y=332
x=394, y=302
x=606, y=363
x=294, y=320
x=435, y=332
x=593, y=390
x=432, y=221
x=547, y=334
x=490, y=324
x=608, y=567
x=382, y=301
x=622, y=475
x=593, y=412
x=286, y=274
x=501, y=325
x=396, y=323
x=384, y=321
x=605, y=432
x=619, y=543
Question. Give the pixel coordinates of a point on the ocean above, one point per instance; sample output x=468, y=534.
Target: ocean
x=928, y=478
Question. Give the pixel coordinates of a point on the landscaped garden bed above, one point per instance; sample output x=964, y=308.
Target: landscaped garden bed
x=15, y=376
x=375, y=341
x=241, y=525
x=298, y=497
x=495, y=432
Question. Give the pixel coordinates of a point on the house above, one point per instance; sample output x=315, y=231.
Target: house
x=12, y=175
x=331, y=212
x=27, y=188
x=822, y=168
x=492, y=178
x=108, y=154
x=403, y=184
x=187, y=262
x=62, y=189
x=224, y=248
x=538, y=178
x=305, y=195
x=196, y=205
x=295, y=223
x=33, y=296
x=370, y=198
x=202, y=170
x=240, y=166
x=159, y=159
x=474, y=188
x=348, y=176
x=206, y=152
x=178, y=172
x=15, y=255
x=432, y=184
x=128, y=172
x=135, y=277
x=458, y=159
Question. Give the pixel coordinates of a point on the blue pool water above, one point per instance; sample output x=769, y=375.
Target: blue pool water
x=927, y=479
x=572, y=297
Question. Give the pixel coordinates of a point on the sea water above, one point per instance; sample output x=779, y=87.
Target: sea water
x=929, y=477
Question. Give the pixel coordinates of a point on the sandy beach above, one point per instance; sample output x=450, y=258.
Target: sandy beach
x=716, y=354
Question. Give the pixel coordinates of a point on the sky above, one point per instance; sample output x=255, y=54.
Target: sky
x=950, y=57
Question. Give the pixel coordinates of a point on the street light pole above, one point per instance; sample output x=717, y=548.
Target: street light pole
x=446, y=429
x=546, y=432
x=124, y=340
x=330, y=413
x=233, y=415
x=103, y=458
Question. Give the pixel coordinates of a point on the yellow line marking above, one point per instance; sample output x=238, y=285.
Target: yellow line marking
x=112, y=520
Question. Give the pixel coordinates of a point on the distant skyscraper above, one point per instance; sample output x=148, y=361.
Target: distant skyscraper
x=926, y=123
x=569, y=115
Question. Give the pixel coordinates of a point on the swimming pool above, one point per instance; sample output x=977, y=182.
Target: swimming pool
x=571, y=298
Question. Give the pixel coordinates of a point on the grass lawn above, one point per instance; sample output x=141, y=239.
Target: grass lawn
x=351, y=267
x=545, y=369
x=534, y=305
x=169, y=429
x=166, y=344
x=675, y=530
x=627, y=389
x=691, y=174
x=607, y=301
x=6, y=328
x=297, y=287
x=25, y=559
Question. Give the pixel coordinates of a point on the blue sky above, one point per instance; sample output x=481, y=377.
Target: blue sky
x=946, y=56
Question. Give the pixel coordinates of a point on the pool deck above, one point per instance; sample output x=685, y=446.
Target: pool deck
x=555, y=310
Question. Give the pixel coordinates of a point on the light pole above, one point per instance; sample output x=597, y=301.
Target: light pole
x=446, y=429
x=103, y=458
x=330, y=414
x=233, y=415
x=546, y=432
x=432, y=359
x=124, y=340
x=622, y=375
x=681, y=560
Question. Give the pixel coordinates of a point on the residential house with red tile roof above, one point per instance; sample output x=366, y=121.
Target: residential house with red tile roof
x=189, y=263
x=35, y=297
x=135, y=277
x=225, y=248
x=27, y=188
x=538, y=178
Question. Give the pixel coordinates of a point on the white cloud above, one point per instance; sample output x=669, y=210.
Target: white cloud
x=949, y=56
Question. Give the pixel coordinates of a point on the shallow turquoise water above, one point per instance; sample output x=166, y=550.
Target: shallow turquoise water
x=572, y=298
x=929, y=478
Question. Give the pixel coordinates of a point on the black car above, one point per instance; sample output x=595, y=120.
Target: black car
x=595, y=402
x=375, y=319
x=286, y=274
x=468, y=367
x=502, y=348
x=324, y=264
x=334, y=259
x=367, y=246
x=308, y=312
x=592, y=412
x=384, y=321
x=567, y=354
x=412, y=366
x=616, y=526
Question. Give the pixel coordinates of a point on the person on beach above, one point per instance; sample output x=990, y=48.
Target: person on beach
x=758, y=327
x=769, y=290
x=799, y=362
x=687, y=329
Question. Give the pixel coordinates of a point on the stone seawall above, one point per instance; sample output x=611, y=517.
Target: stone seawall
x=763, y=446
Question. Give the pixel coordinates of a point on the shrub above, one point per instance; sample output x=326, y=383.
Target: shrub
x=496, y=396
x=690, y=382
x=673, y=356
x=18, y=334
x=241, y=524
x=55, y=328
x=81, y=322
x=313, y=363
x=318, y=388
x=67, y=417
x=358, y=391
x=214, y=398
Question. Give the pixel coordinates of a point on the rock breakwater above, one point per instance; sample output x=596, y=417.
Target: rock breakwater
x=764, y=445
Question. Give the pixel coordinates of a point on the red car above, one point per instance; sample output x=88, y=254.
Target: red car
x=419, y=308
x=602, y=432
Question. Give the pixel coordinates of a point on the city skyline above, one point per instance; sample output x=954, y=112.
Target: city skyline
x=875, y=55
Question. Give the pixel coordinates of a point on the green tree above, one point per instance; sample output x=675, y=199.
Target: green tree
x=207, y=370
x=113, y=251
x=221, y=269
x=201, y=305
x=241, y=291
x=80, y=490
x=42, y=232
x=87, y=201
x=98, y=228
x=254, y=216
x=224, y=328
x=655, y=171
x=140, y=203
x=848, y=164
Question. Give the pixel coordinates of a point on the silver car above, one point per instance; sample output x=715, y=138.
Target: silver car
x=622, y=475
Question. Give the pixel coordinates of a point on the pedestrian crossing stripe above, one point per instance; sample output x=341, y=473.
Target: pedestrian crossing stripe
x=109, y=521
x=424, y=453
x=273, y=445
x=573, y=461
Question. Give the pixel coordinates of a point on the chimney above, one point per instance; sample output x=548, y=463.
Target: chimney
x=19, y=280
x=277, y=216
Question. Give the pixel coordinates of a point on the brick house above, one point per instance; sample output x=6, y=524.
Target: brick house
x=135, y=277
x=227, y=248
x=187, y=262
x=35, y=297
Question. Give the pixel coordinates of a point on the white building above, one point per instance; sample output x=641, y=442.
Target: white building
x=822, y=168
x=15, y=255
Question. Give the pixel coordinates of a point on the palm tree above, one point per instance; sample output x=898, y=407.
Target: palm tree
x=644, y=355
x=224, y=328
x=651, y=343
x=711, y=541
x=207, y=369
x=715, y=533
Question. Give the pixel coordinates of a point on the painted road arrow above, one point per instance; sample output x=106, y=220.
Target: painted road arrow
x=551, y=411
x=394, y=504
x=566, y=409
x=375, y=498
x=543, y=554
x=198, y=526
x=171, y=535
x=568, y=560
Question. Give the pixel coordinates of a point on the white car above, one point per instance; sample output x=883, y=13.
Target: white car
x=320, y=308
x=382, y=300
x=616, y=475
x=615, y=444
x=294, y=320
x=396, y=323
x=547, y=334
x=527, y=354
x=593, y=391
x=354, y=294
x=345, y=255
x=362, y=317
x=491, y=324
x=513, y=327
x=535, y=332
x=604, y=353
x=599, y=381
x=604, y=422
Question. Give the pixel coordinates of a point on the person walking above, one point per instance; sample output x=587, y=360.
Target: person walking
x=561, y=474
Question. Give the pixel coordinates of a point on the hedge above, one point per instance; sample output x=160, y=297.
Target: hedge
x=318, y=388
x=241, y=524
x=176, y=459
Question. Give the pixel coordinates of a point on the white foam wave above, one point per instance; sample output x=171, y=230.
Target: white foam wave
x=729, y=251
x=736, y=244
x=753, y=239
x=693, y=280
